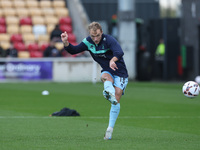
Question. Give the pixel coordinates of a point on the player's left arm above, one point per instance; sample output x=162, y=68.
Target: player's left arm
x=117, y=53
x=112, y=64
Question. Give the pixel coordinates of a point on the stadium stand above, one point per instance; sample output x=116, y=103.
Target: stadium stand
x=20, y=46
x=16, y=38
x=23, y=54
x=6, y=4
x=12, y=29
x=51, y=20
x=65, y=21
x=22, y=12
x=58, y=4
x=5, y=45
x=12, y=20
x=43, y=46
x=35, y=12
x=2, y=28
x=28, y=38
x=26, y=29
x=25, y=20
x=2, y=21
x=27, y=24
x=43, y=38
x=61, y=12
x=48, y=11
x=45, y=4
x=31, y=3
x=36, y=54
x=4, y=37
x=18, y=4
x=8, y=11
x=39, y=29
x=1, y=13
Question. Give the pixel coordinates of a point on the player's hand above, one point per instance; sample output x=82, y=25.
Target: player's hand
x=64, y=38
x=113, y=65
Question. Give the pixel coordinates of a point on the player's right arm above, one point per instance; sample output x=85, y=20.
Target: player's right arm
x=64, y=38
x=71, y=48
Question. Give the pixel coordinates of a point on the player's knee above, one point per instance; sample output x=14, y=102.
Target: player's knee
x=104, y=79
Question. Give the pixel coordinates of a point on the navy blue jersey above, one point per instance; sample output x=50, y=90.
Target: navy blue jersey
x=102, y=53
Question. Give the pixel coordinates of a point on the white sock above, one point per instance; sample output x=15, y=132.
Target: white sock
x=114, y=112
x=110, y=129
x=108, y=86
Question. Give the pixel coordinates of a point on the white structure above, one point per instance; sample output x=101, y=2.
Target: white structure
x=127, y=34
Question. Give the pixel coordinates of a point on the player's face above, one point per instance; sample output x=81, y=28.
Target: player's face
x=96, y=35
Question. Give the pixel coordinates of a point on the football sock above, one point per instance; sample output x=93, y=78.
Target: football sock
x=114, y=112
x=110, y=129
x=108, y=86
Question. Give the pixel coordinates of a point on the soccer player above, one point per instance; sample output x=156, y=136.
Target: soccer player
x=107, y=52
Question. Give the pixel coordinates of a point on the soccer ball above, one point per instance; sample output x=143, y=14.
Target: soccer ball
x=197, y=79
x=191, y=89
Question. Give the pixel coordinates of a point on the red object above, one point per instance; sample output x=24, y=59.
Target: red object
x=71, y=38
x=16, y=38
x=142, y=48
x=43, y=46
x=25, y=21
x=2, y=29
x=33, y=47
x=2, y=21
x=65, y=21
x=180, y=68
x=66, y=28
x=19, y=46
x=36, y=54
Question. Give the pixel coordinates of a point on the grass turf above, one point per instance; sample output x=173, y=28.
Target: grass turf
x=154, y=116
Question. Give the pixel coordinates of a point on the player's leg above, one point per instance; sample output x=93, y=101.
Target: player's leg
x=109, y=90
x=118, y=93
x=120, y=85
x=114, y=112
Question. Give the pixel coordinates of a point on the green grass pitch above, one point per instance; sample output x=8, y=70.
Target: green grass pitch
x=154, y=116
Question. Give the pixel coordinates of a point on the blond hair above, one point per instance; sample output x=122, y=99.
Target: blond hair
x=94, y=26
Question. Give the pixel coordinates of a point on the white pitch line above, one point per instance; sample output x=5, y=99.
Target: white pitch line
x=101, y=117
